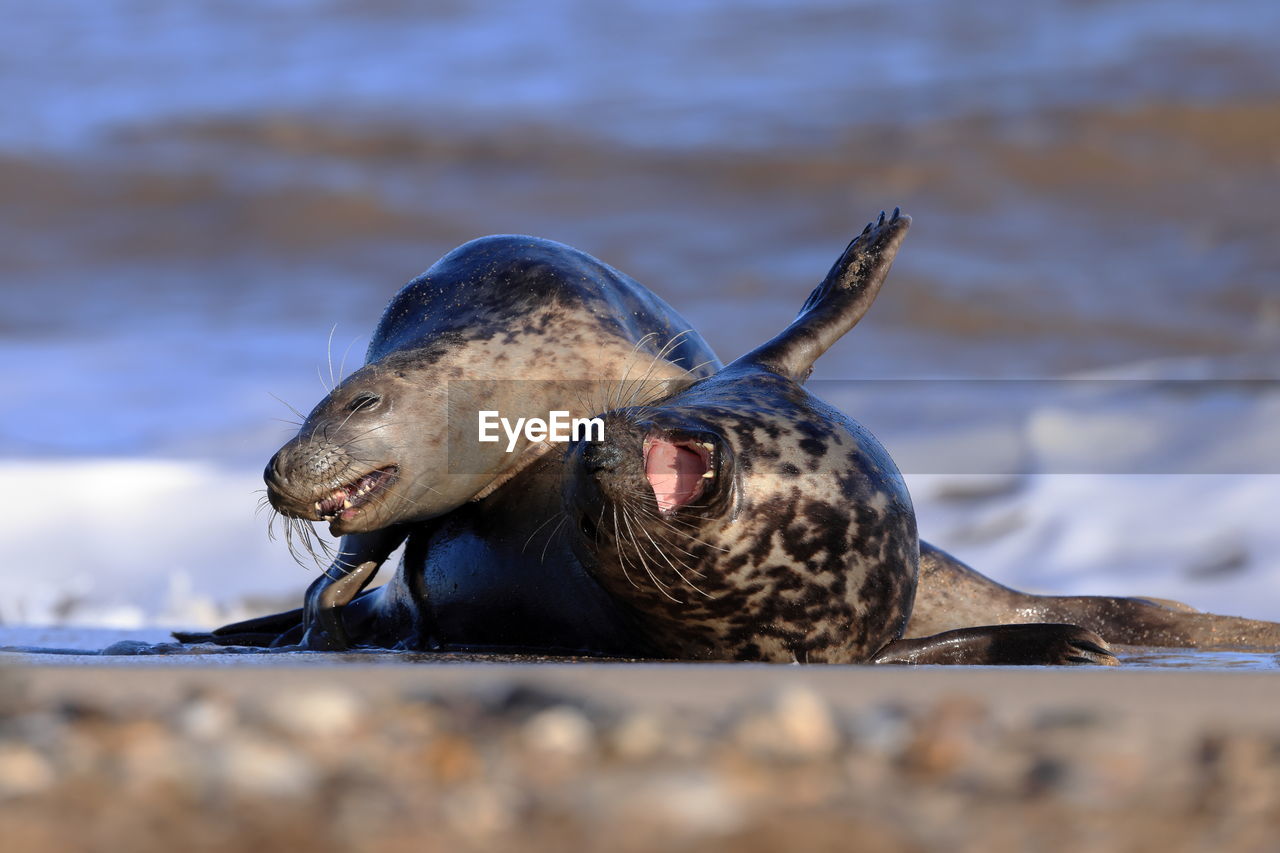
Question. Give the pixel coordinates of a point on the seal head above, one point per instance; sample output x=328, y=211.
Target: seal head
x=508, y=323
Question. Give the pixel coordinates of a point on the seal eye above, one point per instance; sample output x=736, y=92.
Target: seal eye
x=364, y=402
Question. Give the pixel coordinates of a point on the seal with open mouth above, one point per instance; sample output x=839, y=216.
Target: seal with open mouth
x=508, y=323
x=744, y=519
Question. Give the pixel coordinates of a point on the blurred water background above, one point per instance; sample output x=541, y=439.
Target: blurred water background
x=196, y=197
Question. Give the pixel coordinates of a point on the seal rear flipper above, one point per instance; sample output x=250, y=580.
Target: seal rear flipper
x=951, y=595
x=1002, y=645
x=263, y=631
x=837, y=304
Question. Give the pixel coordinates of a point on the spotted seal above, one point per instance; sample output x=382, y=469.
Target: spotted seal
x=385, y=455
x=743, y=518
x=737, y=518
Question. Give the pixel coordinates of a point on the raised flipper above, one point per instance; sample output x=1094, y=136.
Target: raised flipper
x=1002, y=645
x=837, y=304
x=951, y=595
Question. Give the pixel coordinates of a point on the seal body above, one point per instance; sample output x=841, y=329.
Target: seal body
x=511, y=324
x=744, y=519
x=724, y=514
x=507, y=323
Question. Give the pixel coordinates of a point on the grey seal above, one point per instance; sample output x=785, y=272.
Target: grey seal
x=734, y=516
x=509, y=323
x=743, y=518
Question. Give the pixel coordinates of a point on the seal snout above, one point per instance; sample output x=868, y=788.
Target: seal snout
x=600, y=458
x=274, y=475
x=315, y=481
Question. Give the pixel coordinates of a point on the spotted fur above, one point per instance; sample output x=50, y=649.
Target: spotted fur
x=803, y=549
x=802, y=544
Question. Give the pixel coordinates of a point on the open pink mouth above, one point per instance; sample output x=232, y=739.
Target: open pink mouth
x=347, y=502
x=677, y=471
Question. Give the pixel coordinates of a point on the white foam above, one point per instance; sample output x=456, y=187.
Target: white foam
x=1209, y=540
x=132, y=543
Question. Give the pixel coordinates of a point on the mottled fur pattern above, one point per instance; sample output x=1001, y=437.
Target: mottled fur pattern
x=802, y=548
x=800, y=543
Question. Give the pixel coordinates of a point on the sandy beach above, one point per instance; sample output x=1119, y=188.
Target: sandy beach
x=158, y=755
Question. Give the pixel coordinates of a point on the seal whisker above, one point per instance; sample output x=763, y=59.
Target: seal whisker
x=342, y=365
x=564, y=516
x=622, y=382
x=639, y=554
x=328, y=354
x=281, y=401
x=626, y=372
x=301, y=540
x=663, y=554
x=538, y=529
x=660, y=358
x=628, y=395
x=617, y=544
x=671, y=520
x=650, y=515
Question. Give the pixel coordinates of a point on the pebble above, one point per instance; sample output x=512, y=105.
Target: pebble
x=799, y=725
x=253, y=765
x=321, y=712
x=23, y=771
x=562, y=730
x=639, y=736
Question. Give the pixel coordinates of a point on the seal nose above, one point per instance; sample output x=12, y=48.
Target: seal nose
x=600, y=457
x=273, y=475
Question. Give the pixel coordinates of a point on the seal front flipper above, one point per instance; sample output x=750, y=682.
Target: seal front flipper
x=318, y=625
x=1002, y=645
x=358, y=559
x=838, y=303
